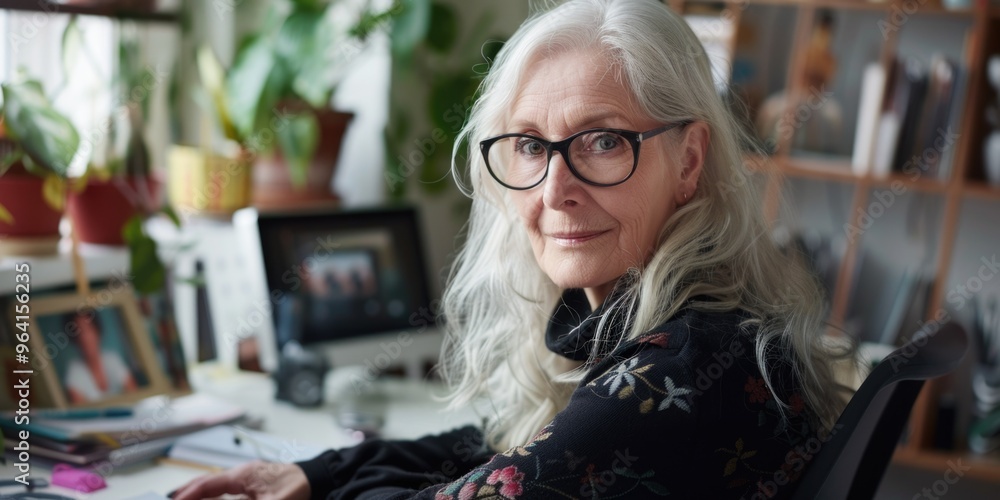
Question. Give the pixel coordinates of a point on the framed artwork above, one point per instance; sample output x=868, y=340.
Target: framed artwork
x=95, y=350
x=157, y=310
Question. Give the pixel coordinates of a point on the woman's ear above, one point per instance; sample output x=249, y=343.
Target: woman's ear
x=694, y=149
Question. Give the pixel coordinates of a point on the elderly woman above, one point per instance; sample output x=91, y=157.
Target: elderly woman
x=618, y=300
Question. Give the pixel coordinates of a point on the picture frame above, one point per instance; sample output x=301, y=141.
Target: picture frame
x=158, y=312
x=343, y=274
x=94, y=350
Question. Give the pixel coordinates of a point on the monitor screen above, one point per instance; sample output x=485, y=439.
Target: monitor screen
x=342, y=274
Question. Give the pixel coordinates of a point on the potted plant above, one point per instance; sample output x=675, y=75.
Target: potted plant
x=275, y=99
x=110, y=202
x=122, y=186
x=37, y=144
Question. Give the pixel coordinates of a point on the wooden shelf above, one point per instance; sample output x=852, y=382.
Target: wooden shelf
x=982, y=190
x=51, y=7
x=47, y=272
x=827, y=170
x=926, y=9
x=983, y=468
x=929, y=9
x=922, y=185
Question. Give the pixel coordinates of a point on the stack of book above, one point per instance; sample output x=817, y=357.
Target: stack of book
x=121, y=436
x=909, y=118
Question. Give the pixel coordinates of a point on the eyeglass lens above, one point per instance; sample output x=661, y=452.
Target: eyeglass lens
x=600, y=157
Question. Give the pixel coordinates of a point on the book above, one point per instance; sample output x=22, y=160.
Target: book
x=228, y=446
x=178, y=416
x=909, y=106
x=91, y=453
x=872, y=92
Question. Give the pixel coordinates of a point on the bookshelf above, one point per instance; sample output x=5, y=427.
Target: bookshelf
x=964, y=184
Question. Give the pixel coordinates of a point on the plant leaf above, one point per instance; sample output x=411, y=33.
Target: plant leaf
x=307, y=4
x=298, y=140
x=54, y=191
x=295, y=42
x=254, y=84
x=5, y=216
x=411, y=27
x=148, y=273
x=443, y=29
x=72, y=45
x=308, y=49
x=171, y=214
x=213, y=78
x=45, y=135
x=9, y=156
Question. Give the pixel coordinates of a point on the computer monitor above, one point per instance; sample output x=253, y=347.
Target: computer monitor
x=348, y=283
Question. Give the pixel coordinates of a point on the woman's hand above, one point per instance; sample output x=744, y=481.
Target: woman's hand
x=258, y=480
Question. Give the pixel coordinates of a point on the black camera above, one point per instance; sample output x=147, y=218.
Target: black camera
x=300, y=375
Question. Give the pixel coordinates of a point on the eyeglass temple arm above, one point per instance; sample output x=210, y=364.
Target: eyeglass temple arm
x=657, y=131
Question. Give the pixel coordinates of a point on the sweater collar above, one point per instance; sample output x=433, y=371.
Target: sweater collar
x=571, y=327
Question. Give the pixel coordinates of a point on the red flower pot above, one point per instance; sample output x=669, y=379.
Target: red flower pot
x=22, y=196
x=100, y=211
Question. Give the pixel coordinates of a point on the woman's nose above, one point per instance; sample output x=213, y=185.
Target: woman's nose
x=560, y=187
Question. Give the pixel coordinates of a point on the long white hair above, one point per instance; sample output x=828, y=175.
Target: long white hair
x=498, y=300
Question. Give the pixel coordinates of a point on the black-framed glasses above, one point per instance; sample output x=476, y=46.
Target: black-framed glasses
x=601, y=157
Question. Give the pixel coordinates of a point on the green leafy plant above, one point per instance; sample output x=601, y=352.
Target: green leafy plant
x=453, y=68
x=292, y=64
x=41, y=140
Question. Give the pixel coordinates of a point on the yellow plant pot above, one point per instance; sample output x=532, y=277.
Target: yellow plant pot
x=205, y=183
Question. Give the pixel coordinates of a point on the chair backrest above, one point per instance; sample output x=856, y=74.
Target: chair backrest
x=853, y=461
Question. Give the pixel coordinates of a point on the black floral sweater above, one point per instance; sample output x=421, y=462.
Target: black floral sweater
x=680, y=412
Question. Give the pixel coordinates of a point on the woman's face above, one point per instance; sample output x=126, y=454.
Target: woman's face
x=585, y=236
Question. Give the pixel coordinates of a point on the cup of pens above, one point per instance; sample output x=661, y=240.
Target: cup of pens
x=984, y=434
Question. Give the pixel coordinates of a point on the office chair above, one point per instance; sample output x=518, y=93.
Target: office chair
x=852, y=463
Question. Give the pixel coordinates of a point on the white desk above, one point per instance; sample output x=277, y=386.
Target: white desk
x=410, y=413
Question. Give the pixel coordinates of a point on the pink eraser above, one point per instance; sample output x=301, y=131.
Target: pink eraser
x=77, y=479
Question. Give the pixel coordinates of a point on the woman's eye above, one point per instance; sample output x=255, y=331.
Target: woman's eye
x=530, y=147
x=606, y=142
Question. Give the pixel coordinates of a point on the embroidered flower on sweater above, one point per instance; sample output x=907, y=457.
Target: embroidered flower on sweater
x=675, y=396
x=510, y=478
x=757, y=390
x=621, y=374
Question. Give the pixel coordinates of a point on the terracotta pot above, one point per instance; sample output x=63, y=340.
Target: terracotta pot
x=21, y=195
x=207, y=184
x=100, y=211
x=272, y=186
